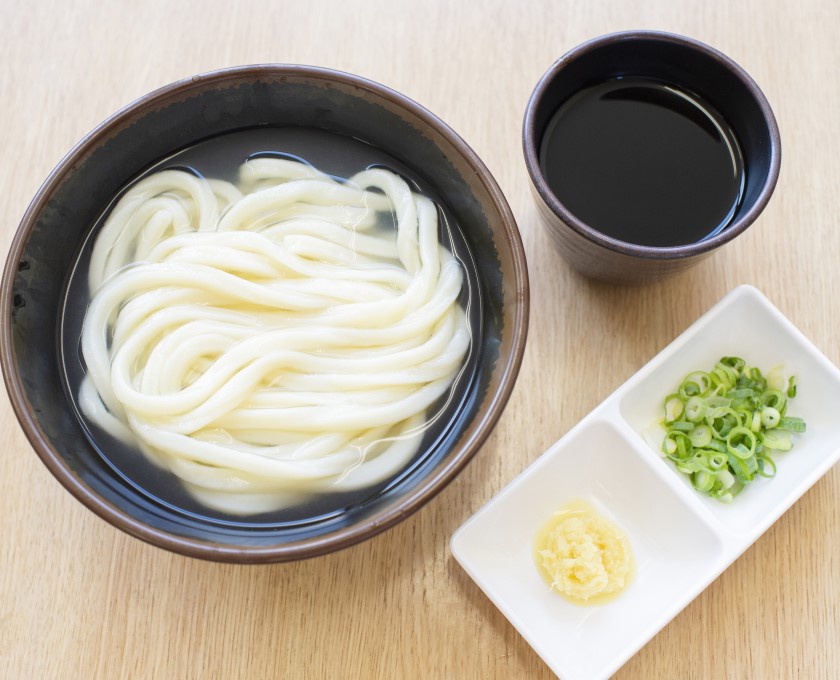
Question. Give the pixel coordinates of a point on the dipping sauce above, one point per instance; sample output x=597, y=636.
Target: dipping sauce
x=583, y=556
x=644, y=162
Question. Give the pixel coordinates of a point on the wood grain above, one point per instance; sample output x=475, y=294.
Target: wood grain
x=78, y=599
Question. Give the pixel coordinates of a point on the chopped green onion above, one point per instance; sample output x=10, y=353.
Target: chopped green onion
x=735, y=362
x=722, y=426
x=741, y=442
x=717, y=461
x=792, y=424
x=716, y=445
x=722, y=420
x=717, y=402
x=677, y=445
x=770, y=417
x=739, y=467
x=702, y=480
x=740, y=394
x=777, y=439
x=763, y=463
x=695, y=384
x=700, y=436
x=725, y=478
x=775, y=399
x=695, y=409
x=673, y=407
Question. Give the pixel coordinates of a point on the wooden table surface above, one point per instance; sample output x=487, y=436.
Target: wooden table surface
x=79, y=599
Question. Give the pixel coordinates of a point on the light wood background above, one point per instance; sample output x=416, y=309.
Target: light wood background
x=79, y=599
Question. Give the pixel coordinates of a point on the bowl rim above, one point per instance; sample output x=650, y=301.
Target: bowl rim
x=531, y=138
x=345, y=536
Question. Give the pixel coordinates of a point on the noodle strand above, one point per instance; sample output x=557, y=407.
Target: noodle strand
x=280, y=338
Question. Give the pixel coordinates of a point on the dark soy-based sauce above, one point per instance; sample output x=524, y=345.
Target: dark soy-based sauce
x=644, y=162
x=220, y=158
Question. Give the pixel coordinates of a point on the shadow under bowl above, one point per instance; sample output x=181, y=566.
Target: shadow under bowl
x=691, y=66
x=178, y=116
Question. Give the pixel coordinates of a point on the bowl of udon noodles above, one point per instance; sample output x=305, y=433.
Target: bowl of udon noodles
x=263, y=313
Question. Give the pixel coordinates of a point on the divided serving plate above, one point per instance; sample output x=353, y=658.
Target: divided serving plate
x=681, y=540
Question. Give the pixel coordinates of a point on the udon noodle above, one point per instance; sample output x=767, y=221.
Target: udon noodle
x=273, y=339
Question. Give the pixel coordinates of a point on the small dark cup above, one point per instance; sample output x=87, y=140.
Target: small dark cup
x=685, y=63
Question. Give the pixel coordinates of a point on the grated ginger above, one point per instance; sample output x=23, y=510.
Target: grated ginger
x=583, y=555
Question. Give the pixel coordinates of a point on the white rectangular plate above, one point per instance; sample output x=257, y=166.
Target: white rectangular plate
x=681, y=540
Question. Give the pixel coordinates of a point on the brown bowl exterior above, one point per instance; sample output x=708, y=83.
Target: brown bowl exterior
x=696, y=68
x=60, y=217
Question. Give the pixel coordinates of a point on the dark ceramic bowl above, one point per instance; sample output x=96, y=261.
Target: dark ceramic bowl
x=680, y=61
x=177, y=116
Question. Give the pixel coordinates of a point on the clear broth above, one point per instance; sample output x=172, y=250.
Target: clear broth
x=220, y=158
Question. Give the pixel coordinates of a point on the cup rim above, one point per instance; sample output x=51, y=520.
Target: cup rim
x=530, y=140
x=343, y=537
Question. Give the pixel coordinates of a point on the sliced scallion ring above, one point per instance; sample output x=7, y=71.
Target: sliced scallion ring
x=770, y=417
x=695, y=384
x=674, y=407
x=700, y=436
x=741, y=442
x=695, y=409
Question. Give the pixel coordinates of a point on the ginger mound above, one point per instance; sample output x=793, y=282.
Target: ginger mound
x=585, y=555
